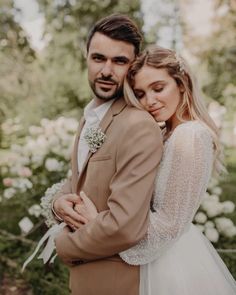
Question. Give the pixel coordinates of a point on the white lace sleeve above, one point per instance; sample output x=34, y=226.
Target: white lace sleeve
x=183, y=179
x=46, y=203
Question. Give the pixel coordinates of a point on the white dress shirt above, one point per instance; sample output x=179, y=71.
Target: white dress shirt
x=93, y=116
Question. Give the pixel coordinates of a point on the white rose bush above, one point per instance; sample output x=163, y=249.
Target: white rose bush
x=212, y=217
x=31, y=162
x=28, y=168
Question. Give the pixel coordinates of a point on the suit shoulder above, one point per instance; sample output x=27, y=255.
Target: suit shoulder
x=134, y=115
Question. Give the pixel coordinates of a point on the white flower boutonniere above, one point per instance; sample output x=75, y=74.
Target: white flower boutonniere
x=94, y=138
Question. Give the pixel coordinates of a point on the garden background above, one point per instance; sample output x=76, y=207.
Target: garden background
x=43, y=89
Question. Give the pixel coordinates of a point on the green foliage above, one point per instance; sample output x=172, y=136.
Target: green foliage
x=13, y=40
x=15, y=57
x=229, y=181
x=219, y=54
x=229, y=193
x=53, y=279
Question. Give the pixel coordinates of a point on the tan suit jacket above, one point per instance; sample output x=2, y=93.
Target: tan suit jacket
x=119, y=179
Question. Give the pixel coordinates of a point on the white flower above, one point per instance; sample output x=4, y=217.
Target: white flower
x=200, y=217
x=53, y=164
x=25, y=225
x=71, y=125
x=217, y=190
x=23, y=184
x=44, y=123
x=94, y=138
x=228, y=207
x=42, y=145
x=7, y=181
x=25, y=172
x=35, y=210
x=211, y=208
x=212, y=234
x=9, y=193
x=35, y=130
x=209, y=224
x=222, y=223
x=212, y=183
x=37, y=160
x=16, y=148
x=66, y=153
x=230, y=231
x=214, y=198
x=53, y=140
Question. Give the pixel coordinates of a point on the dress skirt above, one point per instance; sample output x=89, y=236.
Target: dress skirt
x=190, y=267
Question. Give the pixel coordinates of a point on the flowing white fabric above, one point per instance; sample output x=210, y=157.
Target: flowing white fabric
x=175, y=257
x=46, y=254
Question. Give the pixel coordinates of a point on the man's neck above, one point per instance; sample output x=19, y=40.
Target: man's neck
x=99, y=101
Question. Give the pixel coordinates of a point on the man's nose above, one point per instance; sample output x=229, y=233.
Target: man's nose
x=107, y=69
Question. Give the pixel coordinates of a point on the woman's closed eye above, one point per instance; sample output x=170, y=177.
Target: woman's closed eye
x=159, y=89
x=139, y=94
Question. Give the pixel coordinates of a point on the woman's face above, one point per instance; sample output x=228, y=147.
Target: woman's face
x=158, y=92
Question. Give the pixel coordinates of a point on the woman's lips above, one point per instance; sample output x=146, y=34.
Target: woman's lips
x=156, y=111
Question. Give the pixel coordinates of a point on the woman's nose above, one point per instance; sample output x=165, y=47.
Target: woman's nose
x=151, y=100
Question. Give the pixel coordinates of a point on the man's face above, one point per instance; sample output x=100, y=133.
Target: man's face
x=108, y=62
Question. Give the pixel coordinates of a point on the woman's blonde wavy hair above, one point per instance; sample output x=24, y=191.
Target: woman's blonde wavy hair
x=191, y=106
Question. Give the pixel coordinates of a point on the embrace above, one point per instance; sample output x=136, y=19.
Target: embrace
x=135, y=188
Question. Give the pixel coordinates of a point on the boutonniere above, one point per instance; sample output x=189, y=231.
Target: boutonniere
x=94, y=138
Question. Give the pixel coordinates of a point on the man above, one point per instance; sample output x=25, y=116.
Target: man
x=118, y=176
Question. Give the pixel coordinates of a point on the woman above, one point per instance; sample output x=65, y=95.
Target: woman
x=175, y=257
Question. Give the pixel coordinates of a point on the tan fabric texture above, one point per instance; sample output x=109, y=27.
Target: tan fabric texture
x=119, y=179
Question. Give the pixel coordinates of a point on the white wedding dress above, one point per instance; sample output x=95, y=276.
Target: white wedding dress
x=175, y=257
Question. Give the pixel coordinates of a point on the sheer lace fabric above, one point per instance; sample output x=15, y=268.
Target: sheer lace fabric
x=175, y=257
x=181, y=181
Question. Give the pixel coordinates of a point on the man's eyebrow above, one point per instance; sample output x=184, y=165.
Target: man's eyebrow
x=95, y=54
x=121, y=58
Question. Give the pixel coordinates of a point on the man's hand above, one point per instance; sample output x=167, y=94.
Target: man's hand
x=64, y=208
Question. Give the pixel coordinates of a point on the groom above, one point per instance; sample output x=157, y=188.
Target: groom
x=118, y=177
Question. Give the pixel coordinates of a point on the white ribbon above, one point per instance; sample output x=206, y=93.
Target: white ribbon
x=49, y=248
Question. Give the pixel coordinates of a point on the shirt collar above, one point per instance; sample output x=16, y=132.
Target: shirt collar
x=91, y=110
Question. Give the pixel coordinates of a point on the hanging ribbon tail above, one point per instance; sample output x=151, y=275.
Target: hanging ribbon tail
x=53, y=258
x=48, y=250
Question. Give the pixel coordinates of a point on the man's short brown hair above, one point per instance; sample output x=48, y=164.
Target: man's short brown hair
x=118, y=27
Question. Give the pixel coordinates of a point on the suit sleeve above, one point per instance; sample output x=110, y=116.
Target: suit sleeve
x=126, y=221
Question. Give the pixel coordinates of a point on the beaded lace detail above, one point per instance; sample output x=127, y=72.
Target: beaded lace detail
x=46, y=203
x=181, y=182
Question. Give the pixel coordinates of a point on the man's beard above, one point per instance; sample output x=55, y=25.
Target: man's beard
x=118, y=92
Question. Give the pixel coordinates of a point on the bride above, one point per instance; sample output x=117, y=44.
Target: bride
x=175, y=257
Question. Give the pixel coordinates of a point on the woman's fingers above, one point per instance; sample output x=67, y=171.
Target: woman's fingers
x=74, y=216
x=87, y=207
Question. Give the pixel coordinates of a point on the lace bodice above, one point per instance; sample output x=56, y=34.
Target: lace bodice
x=181, y=181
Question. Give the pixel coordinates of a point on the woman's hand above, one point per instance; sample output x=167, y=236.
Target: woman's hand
x=86, y=208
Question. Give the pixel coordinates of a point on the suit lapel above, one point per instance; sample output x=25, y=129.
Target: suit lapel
x=115, y=109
